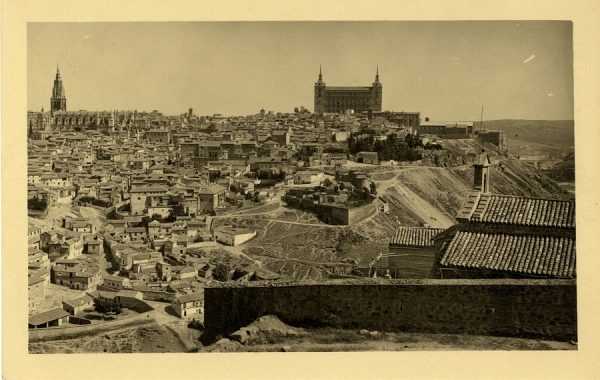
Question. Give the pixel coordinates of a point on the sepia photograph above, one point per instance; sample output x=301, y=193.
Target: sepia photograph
x=300, y=186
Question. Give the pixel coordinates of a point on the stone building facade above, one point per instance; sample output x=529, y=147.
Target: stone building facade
x=341, y=99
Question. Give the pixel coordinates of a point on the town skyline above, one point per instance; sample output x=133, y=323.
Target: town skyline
x=340, y=229
x=528, y=79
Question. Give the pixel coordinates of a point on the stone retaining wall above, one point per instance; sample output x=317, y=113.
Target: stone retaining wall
x=534, y=308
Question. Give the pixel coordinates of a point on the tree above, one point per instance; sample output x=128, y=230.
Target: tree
x=365, y=193
x=178, y=210
x=373, y=188
x=212, y=128
x=113, y=215
x=334, y=149
x=221, y=272
x=214, y=175
x=38, y=204
x=352, y=144
x=125, y=207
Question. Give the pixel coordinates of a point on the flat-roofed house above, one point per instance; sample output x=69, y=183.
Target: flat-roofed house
x=308, y=176
x=158, y=136
x=114, y=282
x=36, y=290
x=139, y=197
x=189, y=305
x=210, y=198
x=94, y=246
x=77, y=305
x=232, y=235
x=76, y=274
x=367, y=158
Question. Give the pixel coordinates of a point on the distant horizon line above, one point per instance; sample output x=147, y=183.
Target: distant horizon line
x=291, y=112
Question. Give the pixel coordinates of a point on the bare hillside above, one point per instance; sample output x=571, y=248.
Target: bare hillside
x=432, y=196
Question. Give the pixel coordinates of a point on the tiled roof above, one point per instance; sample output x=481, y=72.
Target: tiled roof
x=78, y=301
x=47, y=316
x=526, y=254
x=233, y=230
x=505, y=209
x=32, y=280
x=415, y=236
x=190, y=297
x=136, y=230
x=148, y=189
x=212, y=189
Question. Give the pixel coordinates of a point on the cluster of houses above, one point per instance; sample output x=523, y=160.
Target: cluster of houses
x=158, y=179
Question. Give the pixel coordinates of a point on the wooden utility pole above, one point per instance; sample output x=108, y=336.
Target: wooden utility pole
x=481, y=119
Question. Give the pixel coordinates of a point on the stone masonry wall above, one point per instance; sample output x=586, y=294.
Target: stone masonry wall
x=536, y=308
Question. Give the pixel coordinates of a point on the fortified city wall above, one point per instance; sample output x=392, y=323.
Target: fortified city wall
x=535, y=308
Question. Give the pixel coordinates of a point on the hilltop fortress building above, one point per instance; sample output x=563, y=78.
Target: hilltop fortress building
x=340, y=99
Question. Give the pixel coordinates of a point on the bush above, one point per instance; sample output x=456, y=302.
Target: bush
x=94, y=201
x=194, y=324
x=113, y=215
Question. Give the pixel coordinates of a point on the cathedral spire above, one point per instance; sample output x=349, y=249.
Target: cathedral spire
x=58, y=101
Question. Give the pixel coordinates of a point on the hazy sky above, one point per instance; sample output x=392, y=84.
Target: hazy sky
x=445, y=70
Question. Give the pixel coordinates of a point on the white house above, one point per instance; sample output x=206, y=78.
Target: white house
x=189, y=305
x=307, y=176
x=232, y=235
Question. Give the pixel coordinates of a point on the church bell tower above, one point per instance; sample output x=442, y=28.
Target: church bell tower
x=58, y=101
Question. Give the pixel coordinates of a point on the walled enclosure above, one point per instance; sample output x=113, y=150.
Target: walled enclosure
x=533, y=308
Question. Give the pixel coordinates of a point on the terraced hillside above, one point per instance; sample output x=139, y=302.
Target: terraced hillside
x=296, y=245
